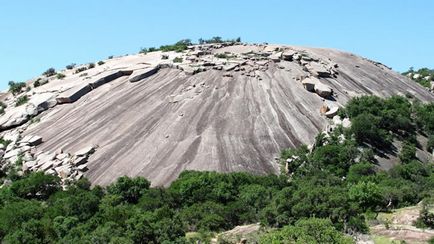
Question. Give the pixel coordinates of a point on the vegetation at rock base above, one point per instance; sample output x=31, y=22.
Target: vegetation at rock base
x=16, y=87
x=21, y=100
x=324, y=193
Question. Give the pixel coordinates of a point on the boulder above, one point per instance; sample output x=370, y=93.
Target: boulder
x=12, y=153
x=323, y=90
x=61, y=156
x=47, y=165
x=346, y=123
x=42, y=101
x=288, y=55
x=337, y=120
x=416, y=76
x=276, y=57
x=79, y=160
x=16, y=116
x=142, y=74
x=432, y=85
x=31, y=140
x=309, y=83
x=35, y=140
x=318, y=70
x=63, y=172
x=332, y=112
x=230, y=67
x=106, y=78
x=85, y=151
x=73, y=94
x=324, y=108
x=82, y=167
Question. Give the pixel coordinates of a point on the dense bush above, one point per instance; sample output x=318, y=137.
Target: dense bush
x=313, y=230
x=60, y=76
x=101, y=62
x=91, y=66
x=16, y=87
x=81, y=69
x=177, y=60
x=21, y=100
x=49, y=72
x=70, y=66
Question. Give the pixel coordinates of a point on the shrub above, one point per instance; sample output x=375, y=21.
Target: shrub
x=21, y=100
x=16, y=87
x=164, y=56
x=81, y=69
x=70, y=66
x=91, y=66
x=49, y=72
x=110, y=57
x=312, y=230
x=101, y=62
x=177, y=60
x=366, y=129
x=177, y=47
x=407, y=153
x=60, y=76
x=37, y=83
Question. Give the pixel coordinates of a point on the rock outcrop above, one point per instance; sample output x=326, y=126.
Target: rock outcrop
x=223, y=107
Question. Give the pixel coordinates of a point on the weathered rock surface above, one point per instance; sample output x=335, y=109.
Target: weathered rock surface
x=236, y=114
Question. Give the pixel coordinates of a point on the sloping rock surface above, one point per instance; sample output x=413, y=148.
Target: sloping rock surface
x=231, y=114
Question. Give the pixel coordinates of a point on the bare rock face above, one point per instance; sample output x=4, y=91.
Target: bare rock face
x=225, y=107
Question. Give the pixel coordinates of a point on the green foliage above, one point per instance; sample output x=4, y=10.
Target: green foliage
x=407, y=153
x=91, y=66
x=81, y=69
x=218, y=39
x=101, y=62
x=177, y=60
x=21, y=100
x=49, y=72
x=426, y=218
x=129, y=189
x=16, y=87
x=70, y=66
x=36, y=186
x=312, y=230
x=37, y=83
x=60, y=76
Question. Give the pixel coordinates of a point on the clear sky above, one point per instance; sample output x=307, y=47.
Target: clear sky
x=36, y=35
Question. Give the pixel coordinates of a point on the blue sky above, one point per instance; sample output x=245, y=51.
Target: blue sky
x=36, y=35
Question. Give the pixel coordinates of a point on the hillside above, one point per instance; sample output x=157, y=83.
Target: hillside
x=217, y=107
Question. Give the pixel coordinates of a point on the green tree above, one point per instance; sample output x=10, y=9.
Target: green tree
x=130, y=189
x=313, y=230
